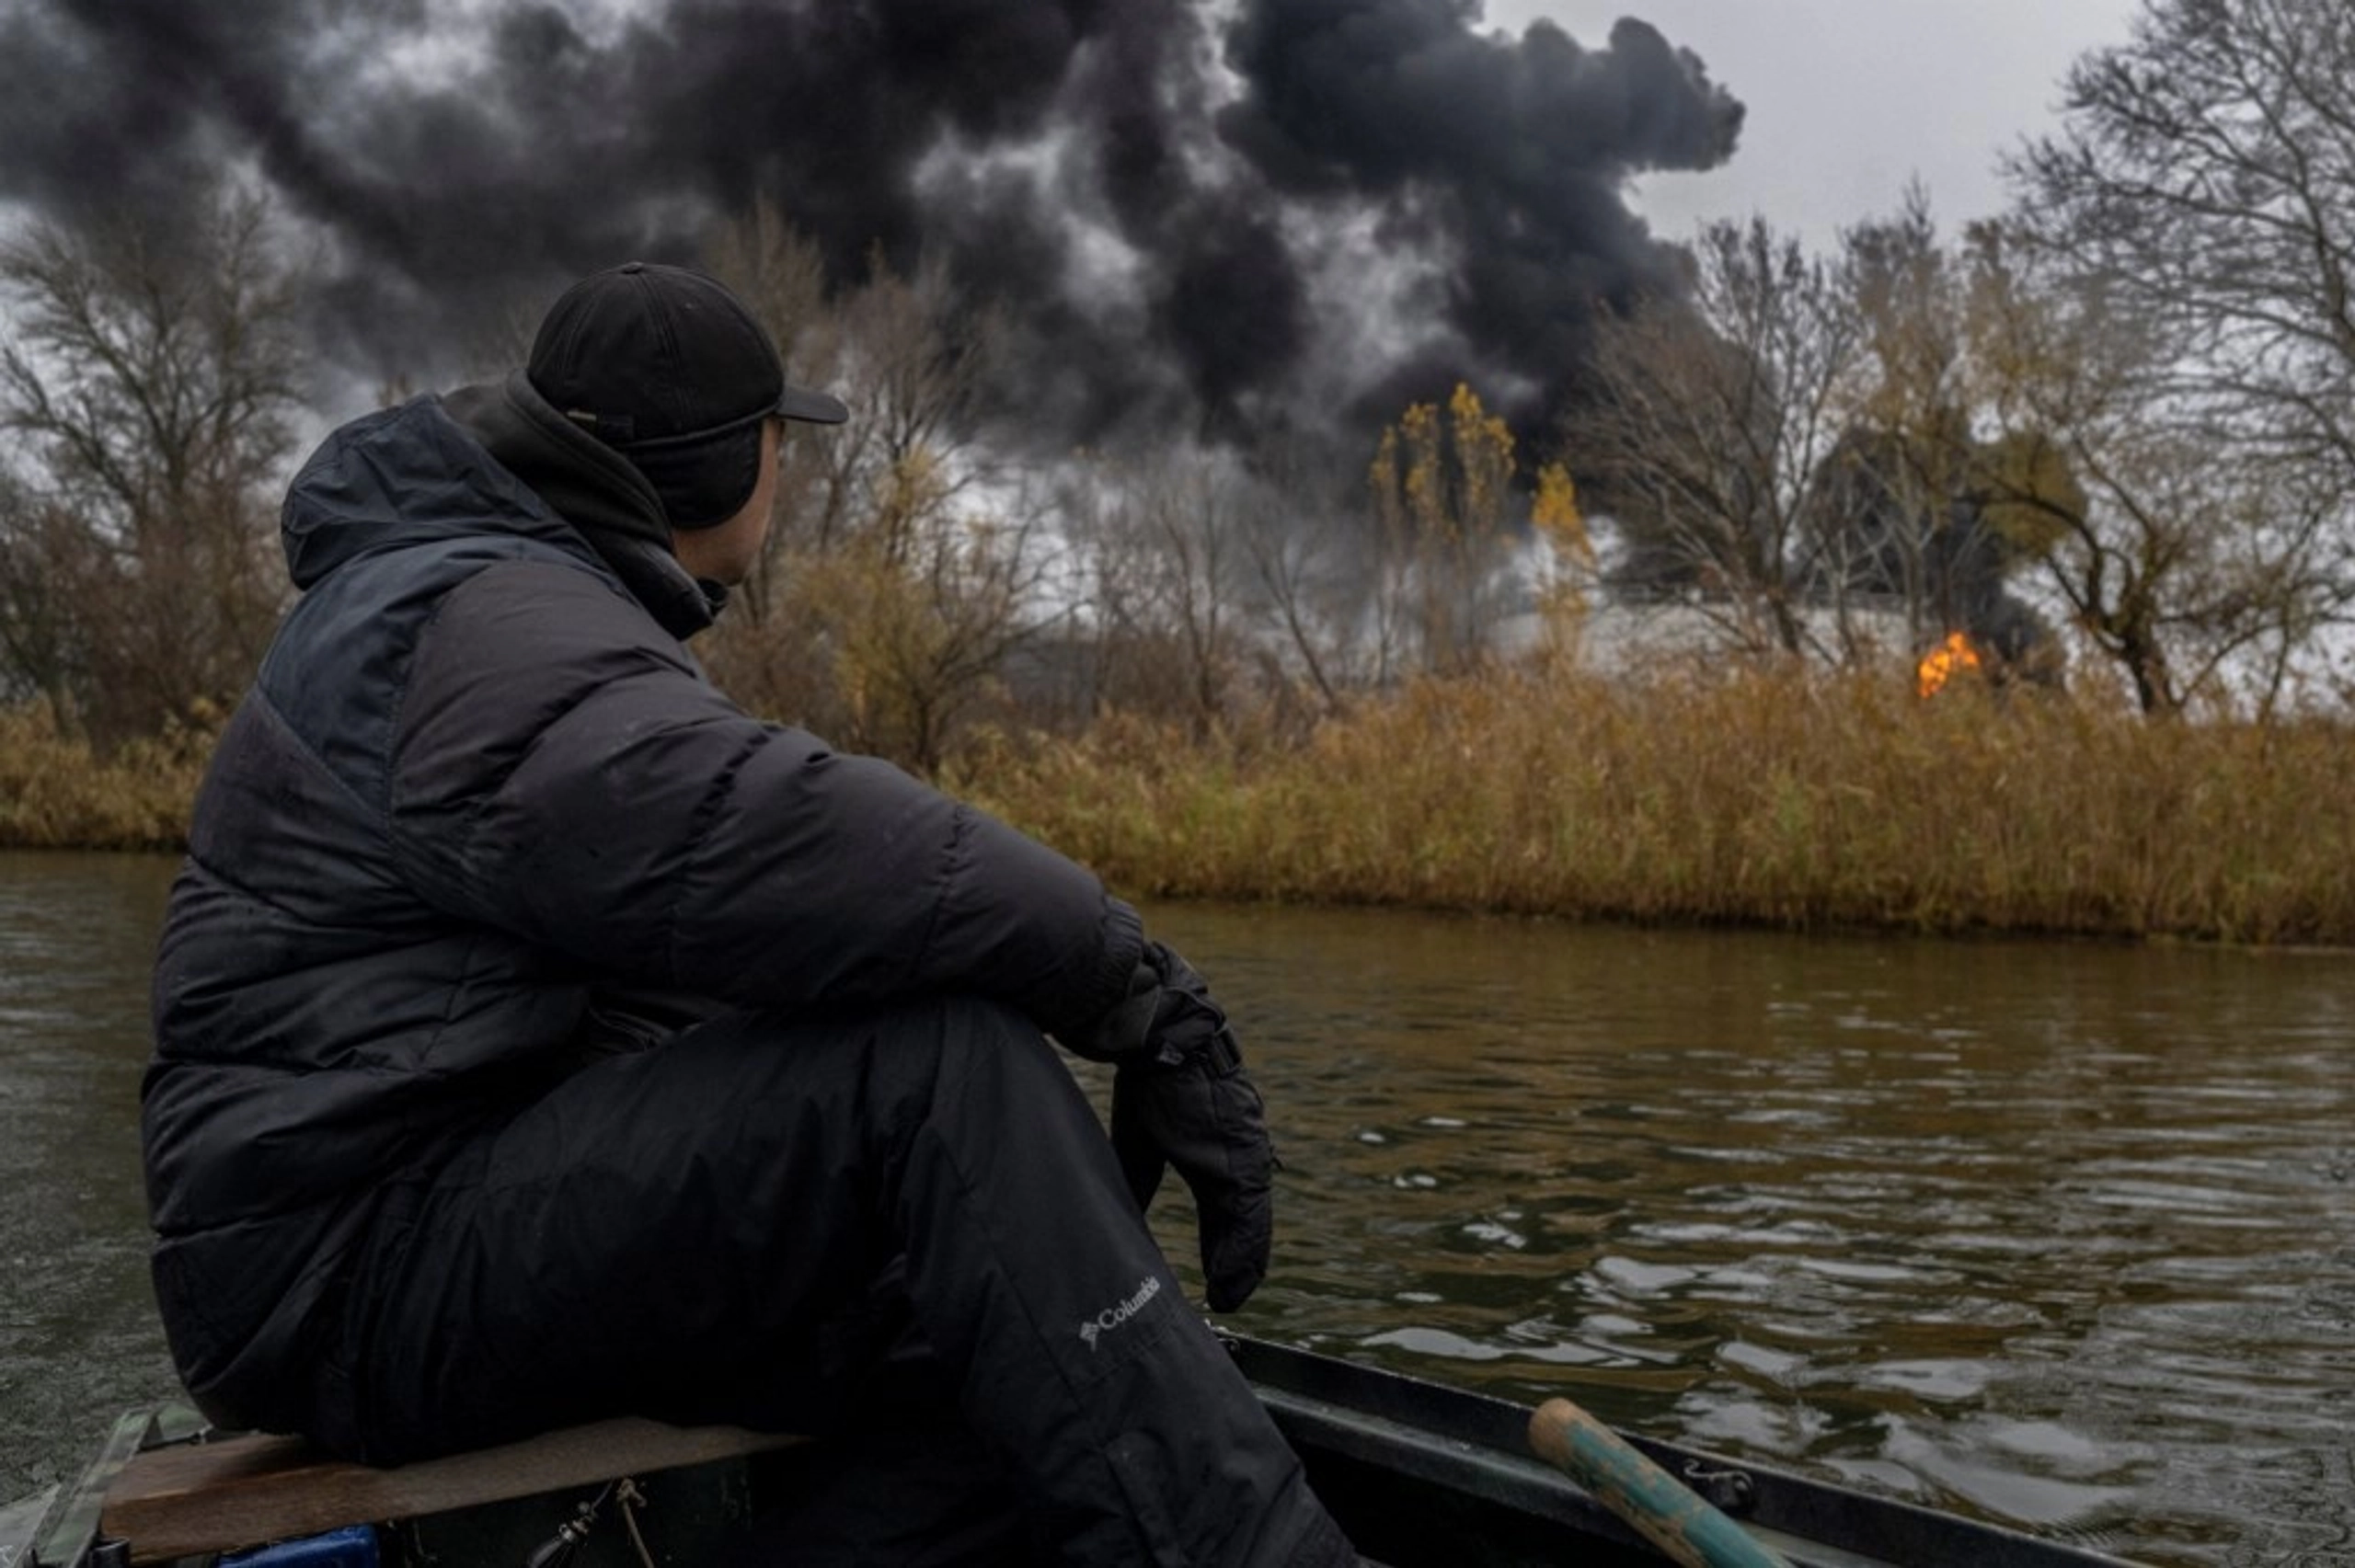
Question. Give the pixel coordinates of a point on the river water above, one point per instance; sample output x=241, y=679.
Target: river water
x=2061, y=1235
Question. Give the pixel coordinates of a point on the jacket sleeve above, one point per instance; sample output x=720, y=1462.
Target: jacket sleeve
x=562, y=771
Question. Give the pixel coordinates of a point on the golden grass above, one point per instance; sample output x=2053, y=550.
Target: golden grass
x=1805, y=801
x=1802, y=801
x=56, y=791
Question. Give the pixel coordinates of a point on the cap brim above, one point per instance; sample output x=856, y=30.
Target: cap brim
x=816, y=407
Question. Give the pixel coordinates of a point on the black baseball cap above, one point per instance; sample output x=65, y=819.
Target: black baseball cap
x=669, y=368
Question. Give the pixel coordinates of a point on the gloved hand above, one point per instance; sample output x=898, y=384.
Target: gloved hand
x=1180, y=1098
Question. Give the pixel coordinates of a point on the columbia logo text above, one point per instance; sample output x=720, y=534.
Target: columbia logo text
x=1113, y=1316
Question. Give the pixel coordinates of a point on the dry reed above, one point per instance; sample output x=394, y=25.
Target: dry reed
x=1774, y=798
x=1807, y=802
x=57, y=791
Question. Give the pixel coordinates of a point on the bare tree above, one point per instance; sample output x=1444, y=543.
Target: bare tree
x=1706, y=425
x=2203, y=570
x=912, y=359
x=904, y=570
x=2177, y=287
x=2204, y=181
x=153, y=381
x=48, y=560
x=1908, y=442
x=1909, y=516
x=922, y=614
x=1308, y=572
x=1168, y=554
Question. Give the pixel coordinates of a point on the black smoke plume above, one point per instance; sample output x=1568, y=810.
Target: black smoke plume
x=1204, y=216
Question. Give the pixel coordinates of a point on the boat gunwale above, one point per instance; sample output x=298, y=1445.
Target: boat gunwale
x=1471, y=1445
x=1326, y=1392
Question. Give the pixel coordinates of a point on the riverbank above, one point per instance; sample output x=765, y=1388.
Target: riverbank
x=1786, y=800
x=56, y=791
x=1799, y=801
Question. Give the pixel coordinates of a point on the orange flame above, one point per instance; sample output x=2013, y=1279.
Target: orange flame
x=1944, y=662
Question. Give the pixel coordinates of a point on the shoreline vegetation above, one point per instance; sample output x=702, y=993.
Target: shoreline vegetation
x=58, y=792
x=1787, y=800
x=1783, y=800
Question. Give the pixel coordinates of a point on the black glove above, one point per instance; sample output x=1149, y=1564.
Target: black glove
x=1180, y=1098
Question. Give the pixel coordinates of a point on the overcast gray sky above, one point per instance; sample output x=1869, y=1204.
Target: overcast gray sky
x=1849, y=99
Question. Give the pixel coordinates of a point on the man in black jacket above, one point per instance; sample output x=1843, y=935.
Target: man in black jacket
x=540, y=1039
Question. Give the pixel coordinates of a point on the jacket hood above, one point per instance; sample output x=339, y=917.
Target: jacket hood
x=489, y=459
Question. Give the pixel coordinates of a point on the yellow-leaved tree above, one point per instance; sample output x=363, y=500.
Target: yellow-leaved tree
x=1567, y=565
x=1446, y=507
x=1441, y=498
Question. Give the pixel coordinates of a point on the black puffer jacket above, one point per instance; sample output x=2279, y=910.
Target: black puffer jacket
x=477, y=787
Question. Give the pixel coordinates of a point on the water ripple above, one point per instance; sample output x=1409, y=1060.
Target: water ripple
x=2055, y=1235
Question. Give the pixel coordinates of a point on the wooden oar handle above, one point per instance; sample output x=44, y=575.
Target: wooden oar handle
x=1670, y=1515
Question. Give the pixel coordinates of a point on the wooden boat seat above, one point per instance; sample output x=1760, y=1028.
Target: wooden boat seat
x=218, y=1497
